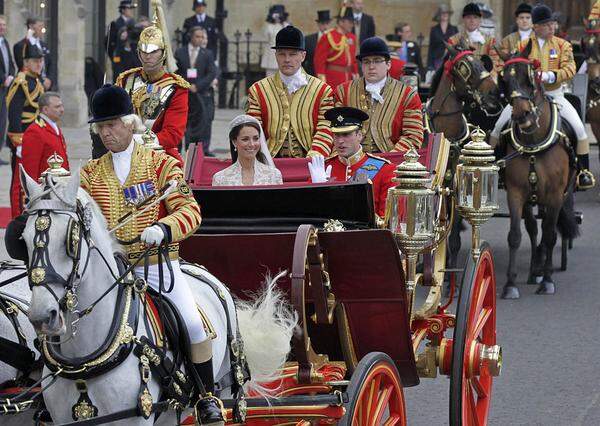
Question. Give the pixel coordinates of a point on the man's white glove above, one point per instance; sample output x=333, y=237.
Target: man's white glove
x=153, y=235
x=548, y=77
x=316, y=167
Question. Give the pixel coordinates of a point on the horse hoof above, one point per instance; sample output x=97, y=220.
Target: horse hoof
x=510, y=292
x=547, y=287
x=535, y=279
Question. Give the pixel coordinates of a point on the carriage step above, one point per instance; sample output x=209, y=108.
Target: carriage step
x=336, y=398
x=456, y=270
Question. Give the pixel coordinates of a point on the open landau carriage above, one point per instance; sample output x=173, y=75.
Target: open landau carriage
x=362, y=337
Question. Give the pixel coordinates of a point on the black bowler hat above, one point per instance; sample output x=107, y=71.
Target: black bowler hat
x=541, y=14
x=323, y=16
x=346, y=119
x=127, y=4
x=373, y=46
x=196, y=3
x=31, y=51
x=523, y=8
x=346, y=13
x=289, y=37
x=110, y=102
x=472, y=9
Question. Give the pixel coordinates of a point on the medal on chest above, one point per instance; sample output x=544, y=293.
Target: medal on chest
x=137, y=194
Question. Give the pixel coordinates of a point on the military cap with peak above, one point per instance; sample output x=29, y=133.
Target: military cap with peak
x=346, y=119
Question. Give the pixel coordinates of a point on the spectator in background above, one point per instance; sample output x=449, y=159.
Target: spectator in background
x=201, y=19
x=408, y=51
x=323, y=21
x=43, y=137
x=35, y=32
x=364, y=25
x=127, y=46
x=196, y=65
x=126, y=10
x=439, y=35
x=7, y=75
x=276, y=21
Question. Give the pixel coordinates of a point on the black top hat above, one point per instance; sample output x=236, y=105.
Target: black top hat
x=289, y=37
x=346, y=13
x=127, y=4
x=472, y=9
x=323, y=16
x=110, y=102
x=278, y=9
x=346, y=119
x=523, y=8
x=196, y=3
x=541, y=14
x=31, y=51
x=373, y=46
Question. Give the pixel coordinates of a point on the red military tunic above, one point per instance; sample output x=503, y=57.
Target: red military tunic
x=170, y=107
x=40, y=141
x=335, y=57
x=397, y=67
x=365, y=166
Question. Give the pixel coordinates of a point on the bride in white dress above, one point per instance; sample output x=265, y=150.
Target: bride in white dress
x=252, y=162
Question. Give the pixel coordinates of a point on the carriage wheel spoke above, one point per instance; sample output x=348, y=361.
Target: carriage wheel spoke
x=369, y=401
x=472, y=406
x=382, y=402
x=484, y=316
x=478, y=387
x=481, y=295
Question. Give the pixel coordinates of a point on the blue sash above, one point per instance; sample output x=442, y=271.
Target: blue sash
x=370, y=168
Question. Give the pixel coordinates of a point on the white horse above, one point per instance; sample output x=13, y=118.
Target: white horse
x=118, y=388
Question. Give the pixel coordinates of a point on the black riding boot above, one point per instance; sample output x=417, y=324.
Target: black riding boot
x=585, y=178
x=209, y=408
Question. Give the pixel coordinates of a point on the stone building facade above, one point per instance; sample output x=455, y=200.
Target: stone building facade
x=76, y=28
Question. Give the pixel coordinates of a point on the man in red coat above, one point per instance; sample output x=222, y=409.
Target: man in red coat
x=43, y=137
x=351, y=163
x=335, y=54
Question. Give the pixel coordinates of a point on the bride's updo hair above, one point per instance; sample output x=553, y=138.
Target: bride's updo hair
x=233, y=135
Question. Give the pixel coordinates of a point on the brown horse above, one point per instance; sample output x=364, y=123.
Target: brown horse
x=537, y=172
x=591, y=48
x=463, y=94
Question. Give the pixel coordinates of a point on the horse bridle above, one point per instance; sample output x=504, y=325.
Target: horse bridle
x=535, y=81
x=460, y=68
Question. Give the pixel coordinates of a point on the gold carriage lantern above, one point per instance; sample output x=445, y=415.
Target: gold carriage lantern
x=55, y=168
x=477, y=184
x=409, y=211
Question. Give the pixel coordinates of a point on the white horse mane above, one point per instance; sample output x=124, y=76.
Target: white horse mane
x=98, y=218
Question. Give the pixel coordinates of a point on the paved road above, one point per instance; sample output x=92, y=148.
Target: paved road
x=551, y=373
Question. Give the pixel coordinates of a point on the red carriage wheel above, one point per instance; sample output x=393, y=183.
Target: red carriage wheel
x=476, y=358
x=375, y=395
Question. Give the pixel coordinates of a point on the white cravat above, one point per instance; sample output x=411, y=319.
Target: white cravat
x=35, y=41
x=476, y=37
x=375, y=89
x=200, y=18
x=525, y=34
x=358, y=16
x=294, y=82
x=51, y=123
x=541, y=43
x=122, y=162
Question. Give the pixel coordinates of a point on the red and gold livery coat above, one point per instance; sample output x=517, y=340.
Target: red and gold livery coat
x=395, y=125
x=479, y=49
x=149, y=168
x=40, y=142
x=595, y=12
x=362, y=167
x=335, y=57
x=300, y=114
x=164, y=100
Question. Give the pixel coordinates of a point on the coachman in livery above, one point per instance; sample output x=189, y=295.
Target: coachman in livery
x=23, y=109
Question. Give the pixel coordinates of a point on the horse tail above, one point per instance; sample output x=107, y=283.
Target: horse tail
x=567, y=222
x=266, y=325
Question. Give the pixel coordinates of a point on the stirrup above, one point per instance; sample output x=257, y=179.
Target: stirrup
x=586, y=172
x=210, y=419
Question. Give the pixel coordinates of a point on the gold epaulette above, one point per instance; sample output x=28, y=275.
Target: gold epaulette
x=385, y=160
x=19, y=81
x=40, y=121
x=180, y=81
x=123, y=76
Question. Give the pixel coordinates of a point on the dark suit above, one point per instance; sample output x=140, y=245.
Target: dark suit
x=310, y=43
x=209, y=24
x=5, y=71
x=201, y=112
x=48, y=71
x=437, y=48
x=367, y=28
x=413, y=55
x=114, y=31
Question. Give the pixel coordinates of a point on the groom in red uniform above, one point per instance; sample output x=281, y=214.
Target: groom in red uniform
x=351, y=163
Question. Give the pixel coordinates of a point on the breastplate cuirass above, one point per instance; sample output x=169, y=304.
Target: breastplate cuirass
x=149, y=99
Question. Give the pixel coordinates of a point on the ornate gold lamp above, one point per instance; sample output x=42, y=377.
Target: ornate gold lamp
x=55, y=168
x=477, y=184
x=410, y=211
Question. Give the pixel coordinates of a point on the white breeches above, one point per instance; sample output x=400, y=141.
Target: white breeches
x=181, y=296
x=567, y=112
